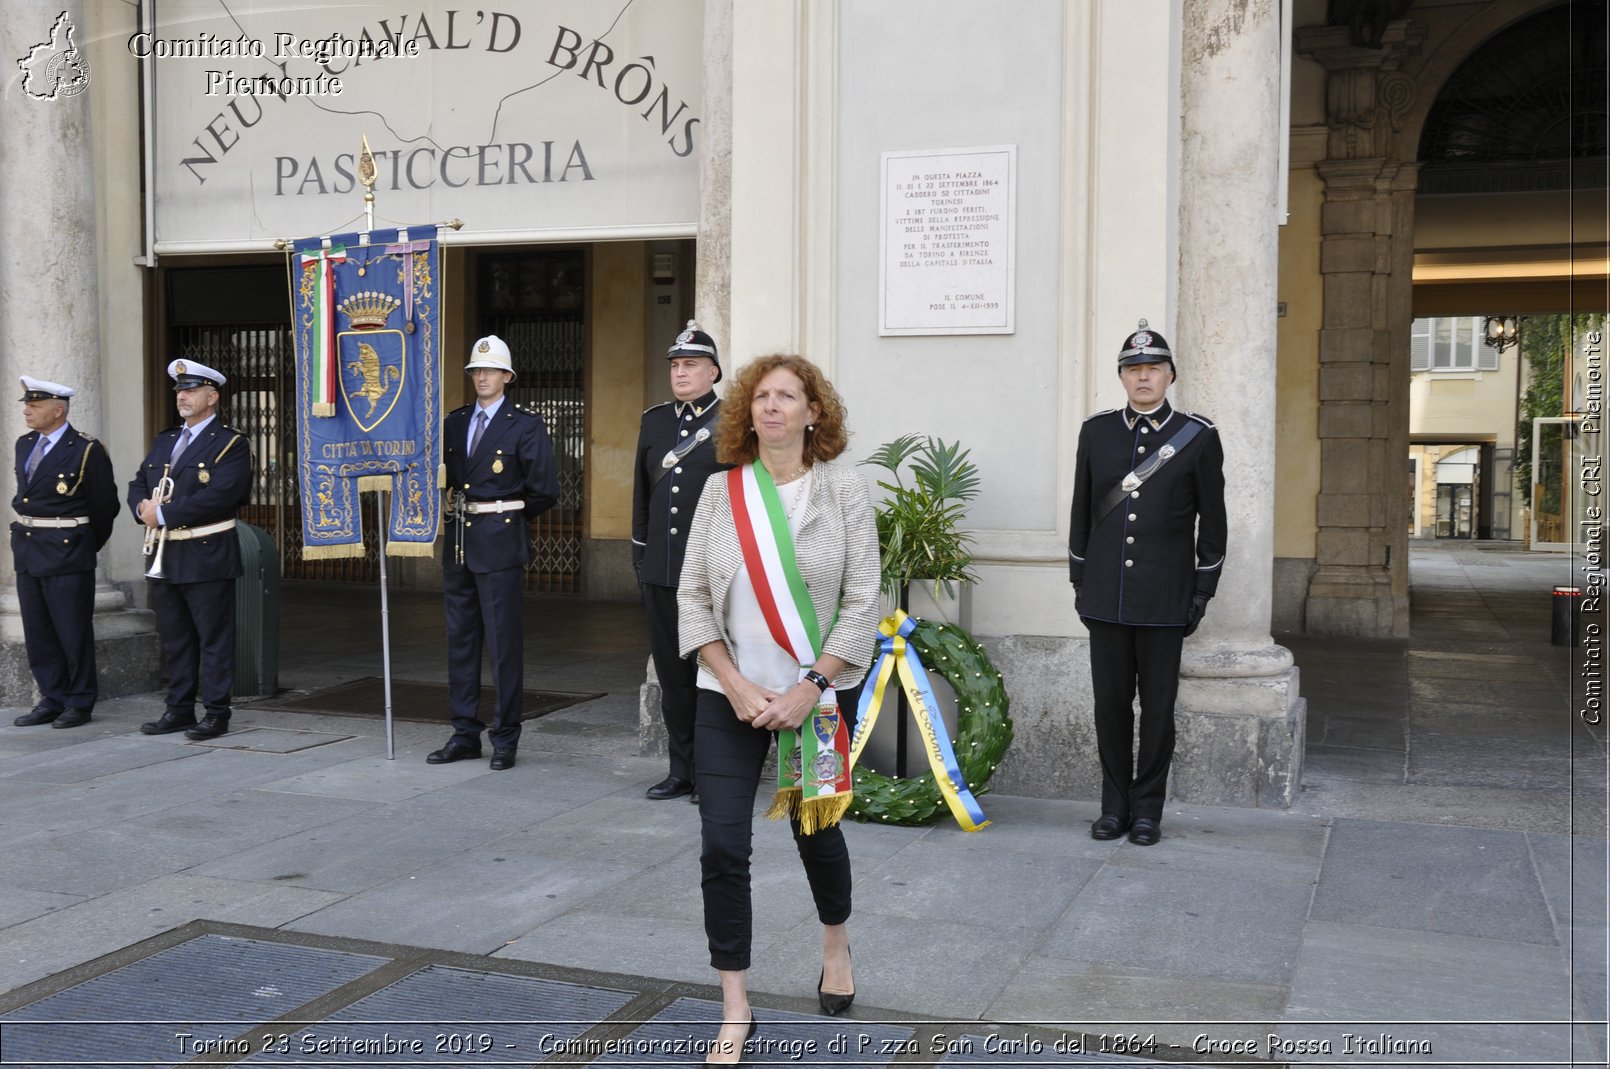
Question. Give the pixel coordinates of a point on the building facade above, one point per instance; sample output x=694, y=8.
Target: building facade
x=957, y=215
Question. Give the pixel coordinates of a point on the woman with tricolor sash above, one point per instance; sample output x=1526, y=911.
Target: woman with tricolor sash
x=779, y=598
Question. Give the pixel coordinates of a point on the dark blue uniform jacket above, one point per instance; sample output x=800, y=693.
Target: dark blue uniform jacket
x=662, y=511
x=514, y=461
x=1163, y=543
x=212, y=481
x=73, y=479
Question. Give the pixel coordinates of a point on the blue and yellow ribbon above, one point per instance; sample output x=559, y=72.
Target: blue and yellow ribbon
x=895, y=652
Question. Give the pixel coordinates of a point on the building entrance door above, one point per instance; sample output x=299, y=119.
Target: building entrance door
x=535, y=302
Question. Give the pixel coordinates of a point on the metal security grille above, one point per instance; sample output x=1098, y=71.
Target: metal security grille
x=534, y=302
x=256, y=358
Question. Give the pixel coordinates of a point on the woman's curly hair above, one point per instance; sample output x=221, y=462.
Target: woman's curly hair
x=735, y=435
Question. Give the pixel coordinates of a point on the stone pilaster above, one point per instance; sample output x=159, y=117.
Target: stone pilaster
x=49, y=296
x=713, y=288
x=1240, y=716
x=1360, y=583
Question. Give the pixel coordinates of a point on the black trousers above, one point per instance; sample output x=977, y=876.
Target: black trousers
x=485, y=608
x=1134, y=784
x=59, y=635
x=197, y=625
x=678, y=677
x=730, y=756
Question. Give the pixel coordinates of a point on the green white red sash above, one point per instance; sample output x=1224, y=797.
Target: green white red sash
x=318, y=281
x=813, y=763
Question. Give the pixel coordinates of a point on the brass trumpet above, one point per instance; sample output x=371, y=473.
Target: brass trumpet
x=156, y=538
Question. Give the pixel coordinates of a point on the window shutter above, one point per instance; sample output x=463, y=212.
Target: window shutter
x=1486, y=355
x=1420, y=345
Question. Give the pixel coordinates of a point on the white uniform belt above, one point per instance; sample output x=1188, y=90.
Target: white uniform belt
x=476, y=508
x=51, y=521
x=182, y=534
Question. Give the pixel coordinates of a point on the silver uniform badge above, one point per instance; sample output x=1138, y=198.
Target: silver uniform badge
x=673, y=458
x=1166, y=452
x=1131, y=482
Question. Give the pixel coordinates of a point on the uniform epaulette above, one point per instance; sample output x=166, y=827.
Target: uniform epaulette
x=651, y=408
x=461, y=408
x=1203, y=420
x=1103, y=412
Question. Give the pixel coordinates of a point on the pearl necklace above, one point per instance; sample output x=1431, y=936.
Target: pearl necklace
x=791, y=476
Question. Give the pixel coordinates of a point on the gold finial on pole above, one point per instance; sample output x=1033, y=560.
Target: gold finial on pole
x=367, y=175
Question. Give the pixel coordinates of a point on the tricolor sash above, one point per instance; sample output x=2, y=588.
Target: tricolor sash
x=894, y=651
x=814, y=762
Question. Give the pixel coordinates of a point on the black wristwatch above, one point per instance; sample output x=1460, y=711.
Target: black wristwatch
x=821, y=681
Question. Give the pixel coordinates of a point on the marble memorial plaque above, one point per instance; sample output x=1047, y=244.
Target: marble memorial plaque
x=948, y=241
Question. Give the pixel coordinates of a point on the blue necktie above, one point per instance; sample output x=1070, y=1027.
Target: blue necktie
x=36, y=456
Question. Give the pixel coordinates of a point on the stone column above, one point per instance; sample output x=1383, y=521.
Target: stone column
x=712, y=294
x=1241, y=720
x=713, y=288
x=1360, y=584
x=49, y=291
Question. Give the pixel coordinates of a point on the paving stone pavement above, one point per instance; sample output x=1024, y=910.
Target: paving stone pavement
x=1440, y=881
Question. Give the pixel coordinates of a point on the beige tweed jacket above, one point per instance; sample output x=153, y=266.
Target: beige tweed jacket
x=837, y=550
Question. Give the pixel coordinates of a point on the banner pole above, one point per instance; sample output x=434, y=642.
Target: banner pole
x=385, y=625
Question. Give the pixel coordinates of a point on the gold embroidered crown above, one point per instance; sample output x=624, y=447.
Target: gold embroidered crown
x=368, y=310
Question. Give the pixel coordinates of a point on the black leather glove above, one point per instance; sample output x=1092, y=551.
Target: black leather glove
x=1078, y=588
x=1193, y=615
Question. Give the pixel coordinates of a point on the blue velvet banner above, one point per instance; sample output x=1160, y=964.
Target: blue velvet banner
x=368, y=387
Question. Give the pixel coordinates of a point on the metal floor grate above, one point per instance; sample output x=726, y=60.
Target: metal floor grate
x=210, y=987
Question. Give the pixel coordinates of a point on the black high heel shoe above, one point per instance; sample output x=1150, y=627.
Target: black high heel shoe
x=831, y=1002
x=754, y=1024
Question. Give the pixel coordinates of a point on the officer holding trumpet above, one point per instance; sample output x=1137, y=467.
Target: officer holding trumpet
x=186, y=494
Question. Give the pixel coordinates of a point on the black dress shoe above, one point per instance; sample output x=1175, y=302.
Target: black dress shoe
x=212, y=725
x=693, y=796
x=502, y=758
x=170, y=722
x=37, y=715
x=669, y=787
x=1107, y=827
x=455, y=750
x=1145, y=832
x=71, y=718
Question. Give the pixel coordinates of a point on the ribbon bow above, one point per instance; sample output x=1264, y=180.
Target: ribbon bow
x=895, y=652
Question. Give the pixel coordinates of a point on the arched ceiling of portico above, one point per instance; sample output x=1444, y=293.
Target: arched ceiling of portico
x=1438, y=59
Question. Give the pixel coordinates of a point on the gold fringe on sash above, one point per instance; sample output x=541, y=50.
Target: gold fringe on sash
x=323, y=408
x=813, y=815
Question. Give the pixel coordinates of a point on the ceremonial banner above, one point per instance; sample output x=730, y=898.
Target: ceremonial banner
x=367, y=314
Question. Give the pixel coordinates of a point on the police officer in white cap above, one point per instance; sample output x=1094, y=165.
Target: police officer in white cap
x=1146, y=539
x=186, y=494
x=62, y=514
x=500, y=476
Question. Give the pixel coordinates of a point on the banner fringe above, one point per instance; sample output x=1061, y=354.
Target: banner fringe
x=323, y=408
x=410, y=549
x=375, y=482
x=332, y=552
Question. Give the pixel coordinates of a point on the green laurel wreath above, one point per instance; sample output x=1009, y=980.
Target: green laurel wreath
x=983, y=730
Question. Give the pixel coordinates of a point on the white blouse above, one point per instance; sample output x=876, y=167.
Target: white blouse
x=761, y=659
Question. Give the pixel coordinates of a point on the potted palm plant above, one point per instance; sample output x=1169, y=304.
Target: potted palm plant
x=927, y=559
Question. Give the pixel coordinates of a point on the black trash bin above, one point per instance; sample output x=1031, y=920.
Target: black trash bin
x=257, y=614
x=1567, y=629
